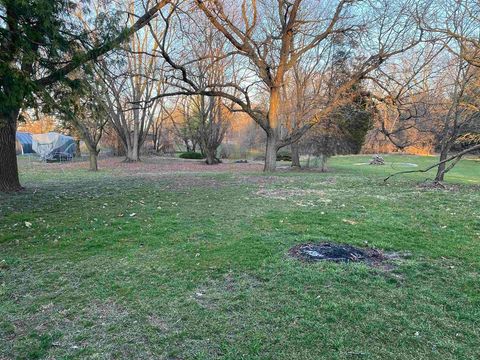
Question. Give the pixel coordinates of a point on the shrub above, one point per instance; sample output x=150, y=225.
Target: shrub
x=284, y=156
x=191, y=155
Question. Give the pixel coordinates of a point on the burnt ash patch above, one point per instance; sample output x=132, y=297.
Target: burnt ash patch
x=337, y=253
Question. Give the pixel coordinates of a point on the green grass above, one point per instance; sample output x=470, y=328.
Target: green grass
x=201, y=270
x=466, y=172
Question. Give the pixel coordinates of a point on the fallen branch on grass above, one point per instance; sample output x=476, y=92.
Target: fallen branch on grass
x=456, y=158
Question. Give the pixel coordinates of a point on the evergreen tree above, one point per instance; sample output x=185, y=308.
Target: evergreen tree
x=343, y=131
x=42, y=41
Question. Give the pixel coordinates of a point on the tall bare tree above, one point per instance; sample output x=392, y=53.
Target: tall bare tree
x=405, y=95
x=302, y=98
x=435, y=96
x=212, y=124
x=184, y=122
x=460, y=110
x=210, y=113
x=270, y=37
x=133, y=78
x=83, y=110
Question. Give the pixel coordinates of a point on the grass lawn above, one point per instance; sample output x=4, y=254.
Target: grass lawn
x=162, y=260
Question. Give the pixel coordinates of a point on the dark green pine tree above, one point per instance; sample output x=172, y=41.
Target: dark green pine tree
x=344, y=130
x=41, y=42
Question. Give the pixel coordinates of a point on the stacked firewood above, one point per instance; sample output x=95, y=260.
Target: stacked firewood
x=377, y=160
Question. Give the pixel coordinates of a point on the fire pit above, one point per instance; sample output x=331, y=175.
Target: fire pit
x=335, y=252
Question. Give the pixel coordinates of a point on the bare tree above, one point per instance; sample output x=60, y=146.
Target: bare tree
x=301, y=98
x=435, y=96
x=455, y=23
x=209, y=112
x=270, y=37
x=312, y=97
x=184, y=122
x=133, y=78
x=157, y=132
x=453, y=160
x=83, y=108
x=461, y=110
x=160, y=128
x=212, y=126
x=405, y=95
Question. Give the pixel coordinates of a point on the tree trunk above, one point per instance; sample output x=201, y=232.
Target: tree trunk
x=187, y=145
x=136, y=145
x=78, y=152
x=132, y=155
x=8, y=157
x=323, y=163
x=441, y=168
x=135, y=152
x=156, y=141
x=295, y=155
x=211, y=155
x=93, y=160
x=273, y=130
x=155, y=137
x=271, y=152
x=131, y=151
x=120, y=149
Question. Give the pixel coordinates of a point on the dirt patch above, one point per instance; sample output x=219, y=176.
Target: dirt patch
x=216, y=293
x=338, y=253
x=158, y=323
x=284, y=194
x=149, y=166
x=436, y=185
x=263, y=180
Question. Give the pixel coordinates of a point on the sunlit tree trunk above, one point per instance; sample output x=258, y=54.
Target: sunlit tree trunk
x=271, y=151
x=273, y=130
